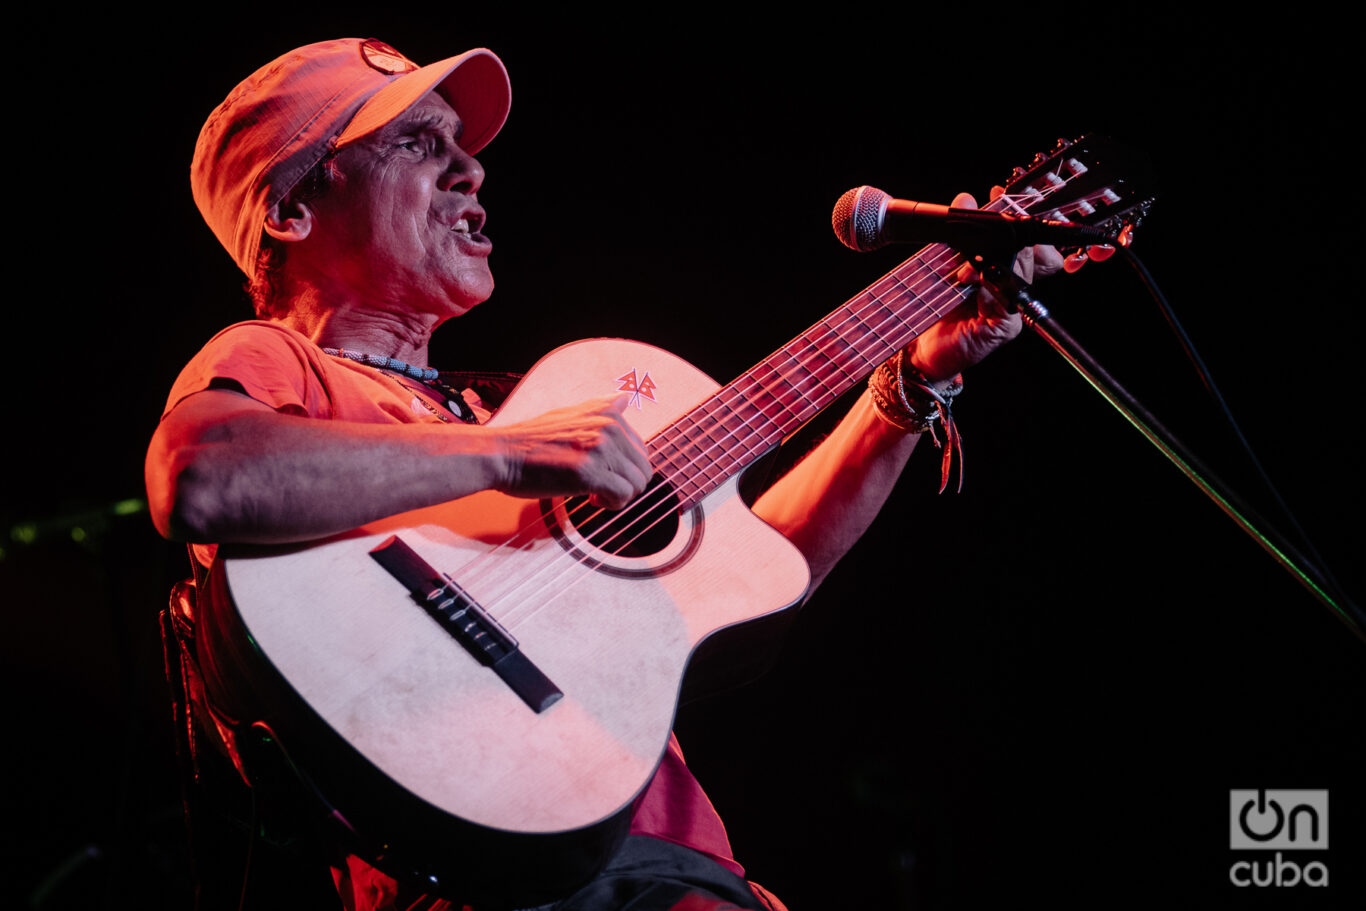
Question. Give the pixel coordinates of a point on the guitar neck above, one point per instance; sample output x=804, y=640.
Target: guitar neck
x=727, y=432
x=1078, y=182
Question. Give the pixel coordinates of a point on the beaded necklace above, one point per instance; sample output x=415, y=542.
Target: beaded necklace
x=428, y=376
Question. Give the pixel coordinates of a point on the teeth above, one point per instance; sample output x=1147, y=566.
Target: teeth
x=462, y=226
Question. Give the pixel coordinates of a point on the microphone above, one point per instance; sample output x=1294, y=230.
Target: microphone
x=865, y=218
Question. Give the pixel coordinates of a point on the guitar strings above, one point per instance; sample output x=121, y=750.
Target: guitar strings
x=910, y=275
x=661, y=510
x=664, y=506
x=690, y=454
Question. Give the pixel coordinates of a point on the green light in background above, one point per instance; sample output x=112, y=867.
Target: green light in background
x=25, y=533
x=77, y=533
x=129, y=507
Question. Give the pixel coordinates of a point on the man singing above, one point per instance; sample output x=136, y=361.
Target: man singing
x=341, y=177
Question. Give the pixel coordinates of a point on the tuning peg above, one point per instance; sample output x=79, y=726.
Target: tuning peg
x=1074, y=260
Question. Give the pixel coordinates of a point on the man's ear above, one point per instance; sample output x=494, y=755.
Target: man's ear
x=289, y=221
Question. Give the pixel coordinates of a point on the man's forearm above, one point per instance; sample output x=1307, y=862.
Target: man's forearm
x=826, y=503
x=223, y=467
x=227, y=469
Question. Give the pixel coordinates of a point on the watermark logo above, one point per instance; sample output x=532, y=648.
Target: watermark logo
x=1267, y=819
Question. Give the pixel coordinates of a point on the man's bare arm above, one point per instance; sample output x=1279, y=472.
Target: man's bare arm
x=223, y=467
x=826, y=503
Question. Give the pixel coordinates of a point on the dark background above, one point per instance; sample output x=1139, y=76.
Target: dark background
x=1044, y=686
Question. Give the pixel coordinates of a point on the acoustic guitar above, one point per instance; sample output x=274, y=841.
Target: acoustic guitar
x=477, y=692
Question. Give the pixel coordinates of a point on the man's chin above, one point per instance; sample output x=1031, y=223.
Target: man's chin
x=461, y=306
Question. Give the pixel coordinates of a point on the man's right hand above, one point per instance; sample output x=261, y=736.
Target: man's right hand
x=583, y=449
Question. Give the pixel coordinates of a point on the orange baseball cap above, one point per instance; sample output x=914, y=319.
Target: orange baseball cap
x=287, y=116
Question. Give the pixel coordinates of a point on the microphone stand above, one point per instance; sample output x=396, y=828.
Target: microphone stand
x=1019, y=295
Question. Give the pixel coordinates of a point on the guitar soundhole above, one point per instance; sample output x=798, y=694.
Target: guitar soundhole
x=644, y=528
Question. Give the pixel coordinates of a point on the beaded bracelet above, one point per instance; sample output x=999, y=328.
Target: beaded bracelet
x=905, y=399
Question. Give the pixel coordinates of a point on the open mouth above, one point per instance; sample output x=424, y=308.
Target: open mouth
x=468, y=224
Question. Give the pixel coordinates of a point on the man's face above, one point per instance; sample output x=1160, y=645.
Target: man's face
x=401, y=226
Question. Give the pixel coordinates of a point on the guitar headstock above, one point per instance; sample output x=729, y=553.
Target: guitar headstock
x=1092, y=181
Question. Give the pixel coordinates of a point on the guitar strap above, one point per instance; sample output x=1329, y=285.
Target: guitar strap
x=492, y=387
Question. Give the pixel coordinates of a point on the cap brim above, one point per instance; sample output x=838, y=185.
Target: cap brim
x=475, y=83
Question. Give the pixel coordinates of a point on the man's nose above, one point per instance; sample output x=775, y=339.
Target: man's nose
x=464, y=174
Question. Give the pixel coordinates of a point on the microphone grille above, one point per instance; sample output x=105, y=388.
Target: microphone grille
x=857, y=218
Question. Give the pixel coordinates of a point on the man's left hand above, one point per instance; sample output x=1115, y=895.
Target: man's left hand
x=982, y=324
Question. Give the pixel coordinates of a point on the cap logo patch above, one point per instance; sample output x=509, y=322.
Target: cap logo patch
x=382, y=57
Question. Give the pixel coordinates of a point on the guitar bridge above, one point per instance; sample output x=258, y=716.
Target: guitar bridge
x=487, y=641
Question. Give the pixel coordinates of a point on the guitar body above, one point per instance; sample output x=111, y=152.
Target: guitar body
x=402, y=730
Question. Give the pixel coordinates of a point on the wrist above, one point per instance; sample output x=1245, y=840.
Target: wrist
x=904, y=398
x=503, y=461
x=929, y=374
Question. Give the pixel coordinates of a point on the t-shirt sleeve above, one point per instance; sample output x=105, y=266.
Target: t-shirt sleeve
x=271, y=364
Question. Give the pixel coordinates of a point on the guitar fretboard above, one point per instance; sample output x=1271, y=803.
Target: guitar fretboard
x=746, y=418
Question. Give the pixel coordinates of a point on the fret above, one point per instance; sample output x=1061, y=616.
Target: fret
x=705, y=455
x=872, y=323
x=710, y=434
x=665, y=454
x=748, y=434
x=707, y=448
x=824, y=337
x=832, y=338
x=705, y=458
x=693, y=489
x=944, y=270
x=786, y=378
x=773, y=385
x=722, y=425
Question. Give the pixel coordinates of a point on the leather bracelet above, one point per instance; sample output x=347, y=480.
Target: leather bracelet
x=905, y=399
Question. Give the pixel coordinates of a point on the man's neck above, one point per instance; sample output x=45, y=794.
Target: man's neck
x=368, y=330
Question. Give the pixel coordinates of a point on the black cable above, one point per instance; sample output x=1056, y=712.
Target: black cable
x=1207, y=380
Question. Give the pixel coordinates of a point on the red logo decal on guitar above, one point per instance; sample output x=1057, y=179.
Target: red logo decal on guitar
x=642, y=387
